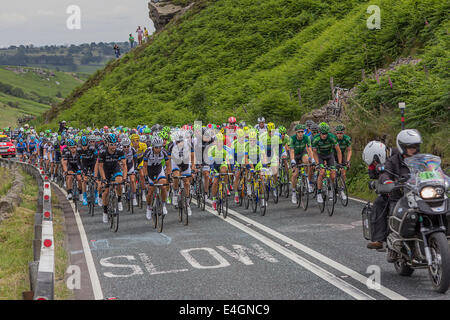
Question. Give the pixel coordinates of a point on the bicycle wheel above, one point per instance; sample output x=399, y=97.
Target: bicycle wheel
x=342, y=187
x=91, y=199
x=262, y=201
x=180, y=198
x=224, y=205
x=114, y=214
x=275, y=191
x=330, y=197
x=254, y=197
x=324, y=196
x=185, y=211
x=154, y=211
x=286, y=186
x=159, y=213
x=305, y=193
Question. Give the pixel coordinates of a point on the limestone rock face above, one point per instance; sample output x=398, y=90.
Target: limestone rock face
x=161, y=12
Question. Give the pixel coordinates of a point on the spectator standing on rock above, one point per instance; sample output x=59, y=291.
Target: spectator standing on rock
x=131, y=39
x=117, y=51
x=140, y=33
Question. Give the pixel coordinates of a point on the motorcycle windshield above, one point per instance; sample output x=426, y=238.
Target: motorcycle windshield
x=426, y=168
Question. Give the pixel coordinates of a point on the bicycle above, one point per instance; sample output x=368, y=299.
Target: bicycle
x=327, y=192
x=222, y=199
x=182, y=201
x=91, y=187
x=157, y=205
x=113, y=207
x=129, y=196
x=199, y=190
x=75, y=195
x=301, y=187
x=340, y=185
x=242, y=186
x=271, y=185
x=283, y=179
x=258, y=193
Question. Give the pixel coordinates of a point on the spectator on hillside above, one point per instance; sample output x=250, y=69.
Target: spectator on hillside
x=117, y=51
x=140, y=33
x=131, y=39
x=147, y=37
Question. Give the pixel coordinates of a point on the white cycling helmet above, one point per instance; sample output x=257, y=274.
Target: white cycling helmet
x=261, y=119
x=408, y=137
x=374, y=150
x=157, y=141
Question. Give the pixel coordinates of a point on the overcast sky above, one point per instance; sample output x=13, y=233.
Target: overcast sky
x=44, y=22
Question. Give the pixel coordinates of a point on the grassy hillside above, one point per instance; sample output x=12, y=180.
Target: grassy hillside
x=31, y=91
x=225, y=54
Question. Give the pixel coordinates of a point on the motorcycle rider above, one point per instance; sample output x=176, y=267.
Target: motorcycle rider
x=395, y=169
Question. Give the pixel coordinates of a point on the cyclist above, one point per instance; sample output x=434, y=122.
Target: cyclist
x=88, y=156
x=206, y=142
x=131, y=156
x=219, y=155
x=345, y=144
x=254, y=156
x=154, y=171
x=32, y=146
x=238, y=155
x=273, y=147
x=111, y=165
x=71, y=164
x=140, y=148
x=182, y=157
x=323, y=147
x=300, y=152
x=21, y=149
x=261, y=126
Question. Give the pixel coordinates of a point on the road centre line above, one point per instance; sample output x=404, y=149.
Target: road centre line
x=308, y=265
x=334, y=264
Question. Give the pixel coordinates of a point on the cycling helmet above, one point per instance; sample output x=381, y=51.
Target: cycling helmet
x=111, y=138
x=282, y=129
x=71, y=143
x=408, y=138
x=270, y=126
x=240, y=133
x=142, y=138
x=300, y=127
x=252, y=134
x=125, y=141
x=339, y=127
x=324, y=127
x=261, y=119
x=309, y=123
x=84, y=141
x=91, y=138
x=163, y=135
x=134, y=137
x=374, y=151
x=314, y=127
x=157, y=142
x=231, y=120
x=147, y=130
x=41, y=134
x=20, y=140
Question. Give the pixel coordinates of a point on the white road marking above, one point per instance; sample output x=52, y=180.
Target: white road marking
x=308, y=265
x=334, y=264
x=186, y=253
x=95, y=282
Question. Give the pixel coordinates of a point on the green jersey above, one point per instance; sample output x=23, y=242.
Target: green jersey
x=325, y=147
x=238, y=151
x=299, y=146
x=253, y=151
x=344, y=143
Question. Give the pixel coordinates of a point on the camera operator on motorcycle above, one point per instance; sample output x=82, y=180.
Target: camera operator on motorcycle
x=408, y=144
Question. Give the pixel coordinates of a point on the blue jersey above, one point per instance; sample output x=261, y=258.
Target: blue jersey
x=32, y=144
x=21, y=146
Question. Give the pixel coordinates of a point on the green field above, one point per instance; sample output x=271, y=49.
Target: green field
x=36, y=88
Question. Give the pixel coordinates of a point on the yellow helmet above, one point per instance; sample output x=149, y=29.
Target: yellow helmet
x=245, y=129
x=220, y=136
x=240, y=132
x=134, y=137
x=271, y=126
x=252, y=134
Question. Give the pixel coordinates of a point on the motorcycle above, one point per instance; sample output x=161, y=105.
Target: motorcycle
x=418, y=227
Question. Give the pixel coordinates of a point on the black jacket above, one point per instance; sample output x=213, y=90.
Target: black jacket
x=394, y=168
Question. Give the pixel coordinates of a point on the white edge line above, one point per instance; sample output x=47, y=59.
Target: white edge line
x=308, y=265
x=334, y=264
x=97, y=289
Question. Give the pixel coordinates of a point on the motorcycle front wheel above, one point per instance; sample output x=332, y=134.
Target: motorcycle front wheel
x=440, y=268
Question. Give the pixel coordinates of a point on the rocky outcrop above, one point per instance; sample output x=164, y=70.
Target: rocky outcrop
x=162, y=12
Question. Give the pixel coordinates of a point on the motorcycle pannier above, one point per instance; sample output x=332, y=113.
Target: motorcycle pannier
x=366, y=212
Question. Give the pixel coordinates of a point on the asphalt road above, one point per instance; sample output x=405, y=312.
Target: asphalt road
x=286, y=254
